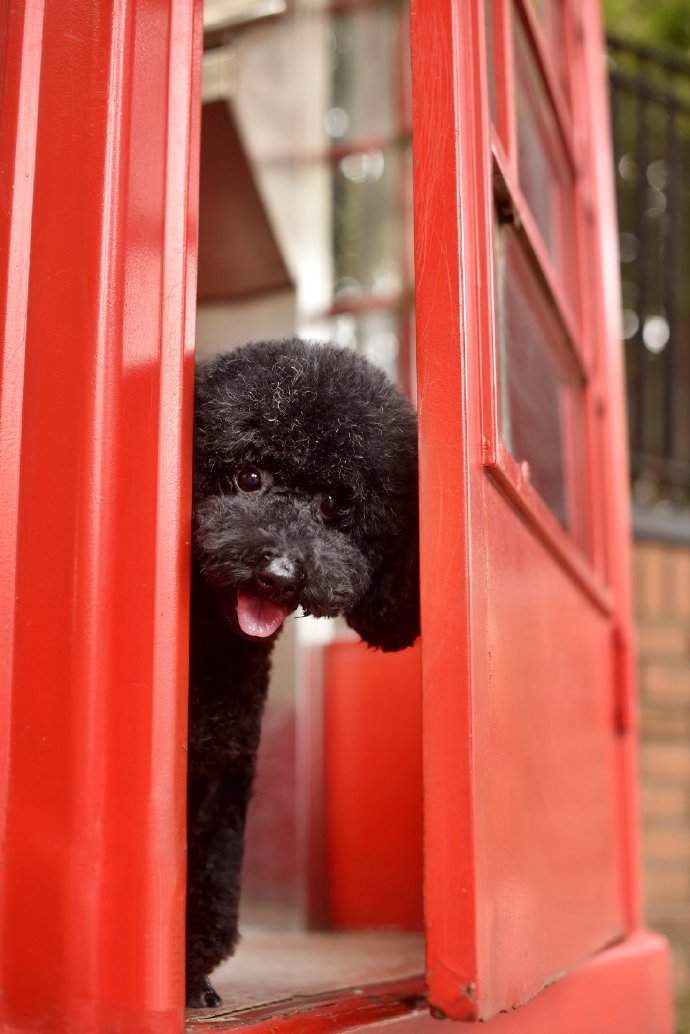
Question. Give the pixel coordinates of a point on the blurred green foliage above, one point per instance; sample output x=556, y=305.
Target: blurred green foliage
x=664, y=23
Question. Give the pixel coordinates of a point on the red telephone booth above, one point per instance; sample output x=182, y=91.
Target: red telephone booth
x=531, y=867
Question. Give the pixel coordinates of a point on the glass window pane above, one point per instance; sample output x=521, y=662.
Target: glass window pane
x=373, y=334
x=364, y=56
x=368, y=224
x=541, y=398
x=551, y=17
x=545, y=178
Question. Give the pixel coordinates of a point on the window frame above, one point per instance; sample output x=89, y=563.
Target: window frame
x=581, y=552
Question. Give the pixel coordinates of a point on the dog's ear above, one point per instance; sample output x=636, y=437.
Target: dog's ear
x=388, y=616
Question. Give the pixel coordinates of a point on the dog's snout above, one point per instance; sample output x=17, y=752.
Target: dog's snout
x=281, y=577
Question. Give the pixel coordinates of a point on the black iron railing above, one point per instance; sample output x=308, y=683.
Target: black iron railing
x=650, y=96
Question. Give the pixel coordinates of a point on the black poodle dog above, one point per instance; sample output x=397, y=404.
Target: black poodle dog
x=305, y=495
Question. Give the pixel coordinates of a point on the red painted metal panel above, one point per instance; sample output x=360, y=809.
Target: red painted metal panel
x=94, y=687
x=530, y=850
x=373, y=788
x=549, y=853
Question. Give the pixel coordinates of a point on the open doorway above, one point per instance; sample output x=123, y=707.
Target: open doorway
x=306, y=229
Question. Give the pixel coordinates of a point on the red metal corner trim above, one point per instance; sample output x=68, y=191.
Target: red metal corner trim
x=95, y=429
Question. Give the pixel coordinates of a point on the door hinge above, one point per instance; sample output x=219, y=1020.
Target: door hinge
x=624, y=702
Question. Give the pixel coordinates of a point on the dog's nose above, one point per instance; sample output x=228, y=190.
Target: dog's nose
x=281, y=577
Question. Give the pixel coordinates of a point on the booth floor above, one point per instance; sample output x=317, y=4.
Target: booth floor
x=274, y=967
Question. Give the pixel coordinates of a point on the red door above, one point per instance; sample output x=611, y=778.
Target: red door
x=530, y=844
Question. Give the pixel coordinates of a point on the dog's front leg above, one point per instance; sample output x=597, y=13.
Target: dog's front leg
x=217, y=809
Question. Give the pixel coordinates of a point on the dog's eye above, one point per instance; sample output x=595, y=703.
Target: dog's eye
x=333, y=504
x=248, y=479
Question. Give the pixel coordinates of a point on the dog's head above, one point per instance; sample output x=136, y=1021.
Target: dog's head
x=305, y=490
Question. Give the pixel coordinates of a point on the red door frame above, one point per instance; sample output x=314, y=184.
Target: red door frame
x=99, y=153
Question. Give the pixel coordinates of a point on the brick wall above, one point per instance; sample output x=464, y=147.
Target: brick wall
x=662, y=604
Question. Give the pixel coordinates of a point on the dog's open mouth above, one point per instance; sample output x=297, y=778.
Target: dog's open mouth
x=259, y=617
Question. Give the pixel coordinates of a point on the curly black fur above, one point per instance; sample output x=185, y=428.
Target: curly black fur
x=332, y=527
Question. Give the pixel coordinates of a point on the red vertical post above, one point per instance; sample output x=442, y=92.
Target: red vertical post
x=98, y=151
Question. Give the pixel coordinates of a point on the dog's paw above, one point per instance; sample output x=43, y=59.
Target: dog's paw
x=204, y=996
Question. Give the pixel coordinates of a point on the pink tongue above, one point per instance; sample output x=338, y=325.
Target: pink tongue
x=258, y=617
